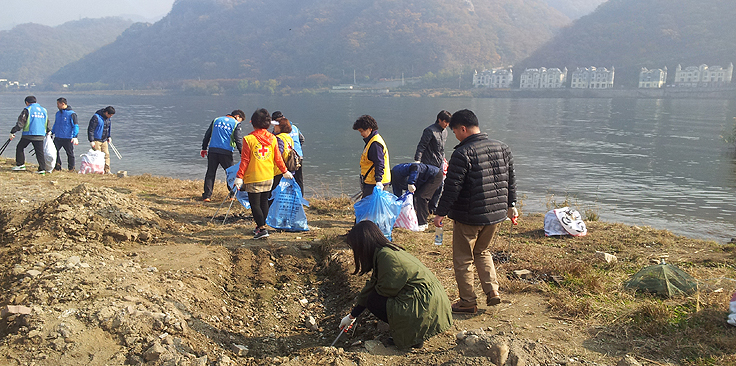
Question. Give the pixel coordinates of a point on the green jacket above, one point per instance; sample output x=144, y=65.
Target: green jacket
x=417, y=307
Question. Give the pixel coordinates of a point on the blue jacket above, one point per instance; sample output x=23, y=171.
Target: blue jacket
x=99, y=127
x=37, y=122
x=298, y=138
x=223, y=135
x=416, y=174
x=65, y=124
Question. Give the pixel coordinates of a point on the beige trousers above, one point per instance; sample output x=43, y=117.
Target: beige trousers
x=103, y=146
x=470, y=246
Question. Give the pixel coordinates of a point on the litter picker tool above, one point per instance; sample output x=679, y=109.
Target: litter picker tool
x=2, y=149
x=223, y=202
x=343, y=330
x=115, y=150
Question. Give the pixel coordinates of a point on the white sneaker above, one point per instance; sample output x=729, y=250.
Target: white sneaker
x=423, y=227
x=19, y=167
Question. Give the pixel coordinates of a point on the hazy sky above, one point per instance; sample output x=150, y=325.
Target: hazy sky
x=55, y=12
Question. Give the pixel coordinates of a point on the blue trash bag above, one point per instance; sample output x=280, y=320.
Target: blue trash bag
x=241, y=196
x=381, y=207
x=286, y=211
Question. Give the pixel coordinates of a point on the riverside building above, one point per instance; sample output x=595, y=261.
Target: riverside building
x=543, y=78
x=703, y=76
x=495, y=78
x=592, y=78
x=652, y=79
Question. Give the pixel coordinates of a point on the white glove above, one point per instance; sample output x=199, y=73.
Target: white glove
x=379, y=185
x=346, y=321
x=12, y=136
x=75, y=141
x=512, y=213
x=412, y=188
x=416, y=162
x=288, y=175
x=92, y=143
x=238, y=183
x=109, y=139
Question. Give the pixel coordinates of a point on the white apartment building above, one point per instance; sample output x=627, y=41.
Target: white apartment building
x=592, y=78
x=495, y=78
x=543, y=78
x=652, y=79
x=703, y=76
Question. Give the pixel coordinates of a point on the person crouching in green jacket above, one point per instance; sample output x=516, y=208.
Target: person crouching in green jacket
x=401, y=291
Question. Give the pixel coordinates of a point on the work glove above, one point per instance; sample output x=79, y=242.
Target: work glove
x=412, y=188
x=512, y=214
x=416, y=162
x=92, y=143
x=379, y=185
x=288, y=175
x=109, y=139
x=346, y=321
x=12, y=136
x=238, y=183
x=75, y=141
x=203, y=153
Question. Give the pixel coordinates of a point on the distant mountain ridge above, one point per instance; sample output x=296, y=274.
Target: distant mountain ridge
x=259, y=39
x=574, y=9
x=631, y=34
x=32, y=52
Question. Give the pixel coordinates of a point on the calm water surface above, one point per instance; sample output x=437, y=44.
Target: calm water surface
x=651, y=162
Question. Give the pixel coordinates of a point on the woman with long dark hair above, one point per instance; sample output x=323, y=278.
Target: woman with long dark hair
x=401, y=291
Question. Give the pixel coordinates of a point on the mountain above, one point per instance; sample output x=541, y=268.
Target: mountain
x=574, y=9
x=32, y=52
x=281, y=39
x=631, y=34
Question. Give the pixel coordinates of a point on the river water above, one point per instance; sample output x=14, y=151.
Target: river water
x=655, y=162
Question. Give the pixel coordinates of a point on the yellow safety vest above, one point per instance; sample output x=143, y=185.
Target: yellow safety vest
x=261, y=166
x=366, y=164
x=288, y=142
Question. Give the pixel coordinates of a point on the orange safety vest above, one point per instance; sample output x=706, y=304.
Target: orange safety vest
x=261, y=166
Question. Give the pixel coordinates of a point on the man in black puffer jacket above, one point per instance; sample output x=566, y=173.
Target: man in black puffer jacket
x=479, y=193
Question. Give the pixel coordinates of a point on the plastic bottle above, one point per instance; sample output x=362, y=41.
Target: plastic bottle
x=438, y=235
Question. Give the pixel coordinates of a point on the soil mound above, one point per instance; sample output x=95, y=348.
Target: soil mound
x=92, y=213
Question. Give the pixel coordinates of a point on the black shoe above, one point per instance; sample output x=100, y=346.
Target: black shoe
x=261, y=234
x=390, y=341
x=419, y=345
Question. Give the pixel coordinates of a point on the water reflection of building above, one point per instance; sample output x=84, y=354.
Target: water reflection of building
x=652, y=79
x=543, y=78
x=495, y=78
x=703, y=76
x=592, y=78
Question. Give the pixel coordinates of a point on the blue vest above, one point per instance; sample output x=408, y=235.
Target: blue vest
x=99, y=129
x=297, y=144
x=222, y=133
x=64, y=126
x=37, y=120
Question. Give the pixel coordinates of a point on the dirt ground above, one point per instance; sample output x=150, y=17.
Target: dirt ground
x=101, y=270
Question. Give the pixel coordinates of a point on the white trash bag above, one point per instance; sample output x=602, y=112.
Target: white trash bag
x=408, y=216
x=564, y=221
x=732, y=311
x=49, y=152
x=93, y=162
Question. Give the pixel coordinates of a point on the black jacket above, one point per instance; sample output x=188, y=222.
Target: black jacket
x=480, y=183
x=431, y=147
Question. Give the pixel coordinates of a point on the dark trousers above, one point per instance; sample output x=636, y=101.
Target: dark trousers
x=299, y=178
x=376, y=304
x=215, y=160
x=68, y=148
x=259, y=207
x=436, y=196
x=20, y=156
x=423, y=195
x=367, y=190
